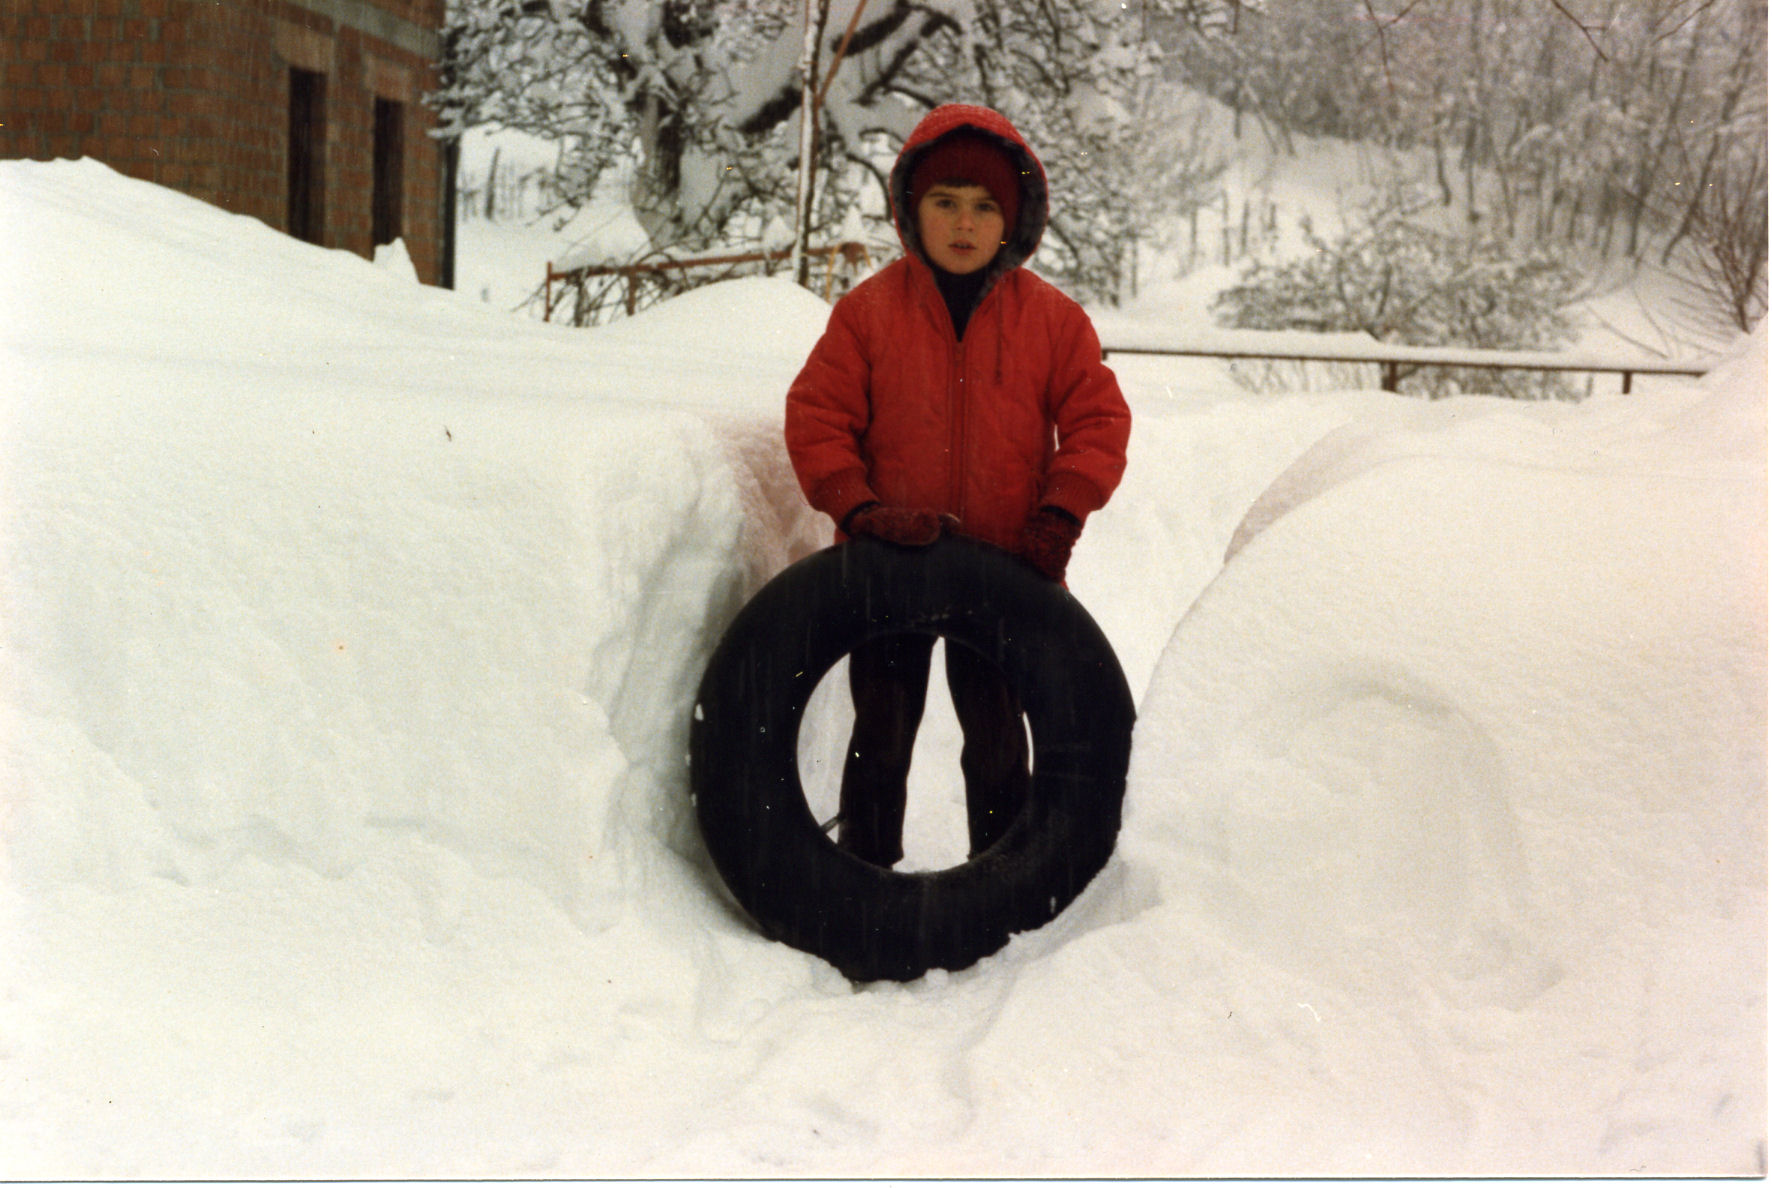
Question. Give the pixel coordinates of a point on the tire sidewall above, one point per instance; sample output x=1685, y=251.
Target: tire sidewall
x=788, y=874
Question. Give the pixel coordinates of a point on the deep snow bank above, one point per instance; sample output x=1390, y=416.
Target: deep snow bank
x=302, y=558
x=1474, y=720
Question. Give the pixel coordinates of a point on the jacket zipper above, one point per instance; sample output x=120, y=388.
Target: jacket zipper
x=957, y=401
x=962, y=398
x=958, y=426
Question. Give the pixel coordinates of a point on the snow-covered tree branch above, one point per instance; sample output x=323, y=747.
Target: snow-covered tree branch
x=700, y=101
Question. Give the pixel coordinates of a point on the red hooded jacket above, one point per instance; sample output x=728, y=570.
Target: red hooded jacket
x=1021, y=413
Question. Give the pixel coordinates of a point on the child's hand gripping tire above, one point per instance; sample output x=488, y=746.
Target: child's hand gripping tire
x=791, y=878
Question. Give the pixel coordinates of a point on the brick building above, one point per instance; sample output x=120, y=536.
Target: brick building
x=306, y=114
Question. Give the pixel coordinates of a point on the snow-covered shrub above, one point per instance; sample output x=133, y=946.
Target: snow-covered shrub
x=1404, y=283
x=1722, y=236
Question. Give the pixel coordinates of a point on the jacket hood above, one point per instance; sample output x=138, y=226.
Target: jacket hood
x=1030, y=224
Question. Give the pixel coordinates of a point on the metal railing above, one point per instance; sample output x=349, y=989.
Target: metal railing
x=837, y=255
x=1397, y=361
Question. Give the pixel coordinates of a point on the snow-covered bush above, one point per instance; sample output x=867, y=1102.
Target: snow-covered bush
x=698, y=103
x=1404, y=283
x=1723, y=235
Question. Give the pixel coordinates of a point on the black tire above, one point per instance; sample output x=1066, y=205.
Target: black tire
x=870, y=922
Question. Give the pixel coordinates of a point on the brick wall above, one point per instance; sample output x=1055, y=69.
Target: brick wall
x=194, y=94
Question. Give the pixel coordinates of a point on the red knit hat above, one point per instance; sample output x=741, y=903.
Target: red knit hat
x=970, y=157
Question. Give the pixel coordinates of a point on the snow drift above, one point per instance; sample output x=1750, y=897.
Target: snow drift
x=350, y=633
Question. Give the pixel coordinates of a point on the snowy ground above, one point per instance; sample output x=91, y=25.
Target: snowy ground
x=350, y=629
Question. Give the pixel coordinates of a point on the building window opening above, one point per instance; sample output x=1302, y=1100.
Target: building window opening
x=307, y=155
x=388, y=199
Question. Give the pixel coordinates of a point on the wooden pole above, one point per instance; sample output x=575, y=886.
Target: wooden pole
x=816, y=10
x=842, y=49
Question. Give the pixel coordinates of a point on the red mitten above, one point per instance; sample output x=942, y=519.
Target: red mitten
x=914, y=526
x=1047, y=539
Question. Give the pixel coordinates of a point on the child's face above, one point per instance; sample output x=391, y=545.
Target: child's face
x=961, y=226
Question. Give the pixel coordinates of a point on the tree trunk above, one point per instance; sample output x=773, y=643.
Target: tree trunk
x=1440, y=168
x=1650, y=167
x=817, y=13
x=490, y=207
x=1753, y=40
x=1474, y=114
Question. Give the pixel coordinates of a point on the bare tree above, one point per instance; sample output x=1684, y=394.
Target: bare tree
x=1604, y=123
x=1724, y=234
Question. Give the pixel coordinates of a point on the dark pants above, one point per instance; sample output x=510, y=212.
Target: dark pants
x=888, y=680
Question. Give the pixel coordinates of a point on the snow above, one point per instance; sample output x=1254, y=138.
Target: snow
x=503, y=260
x=350, y=635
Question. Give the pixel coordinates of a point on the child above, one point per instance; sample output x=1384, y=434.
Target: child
x=954, y=390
